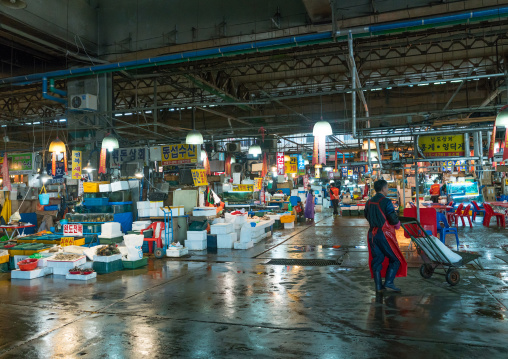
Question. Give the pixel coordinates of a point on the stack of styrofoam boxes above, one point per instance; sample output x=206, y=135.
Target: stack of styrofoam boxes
x=143, y=209
x=204, y=211
x=155, y=209
x=41, y=270
x=226, y=234
x=196, y=240
x=238, y=222
x=245, y=238
x=140, y=225
x=301, y=194
x=111, y=230
x=105, y=187
x=177, y=211
x=62, y=267
x=119, y=186
x=260, y=231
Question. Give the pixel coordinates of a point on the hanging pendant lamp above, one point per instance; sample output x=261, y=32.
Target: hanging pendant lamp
x=110, y=142
x=194, y=137
x=89, y=168
x=57, y=146
x=502, y=117
x=255, y=150
x=322, y=128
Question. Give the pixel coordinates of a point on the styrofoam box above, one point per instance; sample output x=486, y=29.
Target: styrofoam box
x=81, y=276
x=31, y=274
x=18, y=258
x=62, y=267
x=289, y=225
x=119, y=186
x=144, y=212
x=156, y=204
x=177, y=211
x=107, y=259
x=143, y=205
x=139, y=225
x=353, y=208
x=111, y=228
x=196, y=235
x=204, y=211
x=226, y=240
x=221, y=228
x=156, y=212
x=105, y=187
x=243, y=245
x=195, y=245
x=177, y=252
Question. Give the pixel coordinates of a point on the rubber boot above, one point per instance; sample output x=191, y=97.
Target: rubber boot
x=378, y=282
x=390, y=276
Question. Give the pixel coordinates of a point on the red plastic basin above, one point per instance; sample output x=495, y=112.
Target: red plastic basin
x=28, y=264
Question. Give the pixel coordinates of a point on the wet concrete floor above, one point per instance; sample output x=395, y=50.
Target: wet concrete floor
x=231, y=304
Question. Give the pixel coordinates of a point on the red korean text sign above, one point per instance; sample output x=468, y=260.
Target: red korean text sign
x=72, y=230
x=280, y=163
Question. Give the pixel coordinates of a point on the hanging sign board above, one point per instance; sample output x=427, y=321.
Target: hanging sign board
x=305, y=181
x=280, y=163
x=199, y=178
x=301, y=162
x=19, y=163
x=291, y=166
x=442, y=146
x=258, y=183
x=77, y=162
x=243, y=188
x=179, y=154
x=124, y=155
x=72, y=230
x=59, y=172
x=102, y=161
x=344, y=171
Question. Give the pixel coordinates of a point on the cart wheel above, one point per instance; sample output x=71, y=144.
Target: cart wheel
x=452, y=277
x=158, y=253
x=426, y=270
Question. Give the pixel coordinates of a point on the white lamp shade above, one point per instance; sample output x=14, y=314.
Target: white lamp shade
x=45, y=177
x=110, y=142
x=306, y=162
x=322, y=128
x=255, y=150
x=365, y=145
x=194, y=138
x=502, y=118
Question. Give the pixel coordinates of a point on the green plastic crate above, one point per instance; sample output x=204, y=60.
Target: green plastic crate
x=110, y=267
x=135, y=264
x=346, y=212
x=111, y=240
x=4, y=267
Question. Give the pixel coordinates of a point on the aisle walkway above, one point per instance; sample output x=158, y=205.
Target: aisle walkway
x=233, y=305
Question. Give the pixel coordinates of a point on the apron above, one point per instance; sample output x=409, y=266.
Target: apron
x=309, y=206
x=389, y=233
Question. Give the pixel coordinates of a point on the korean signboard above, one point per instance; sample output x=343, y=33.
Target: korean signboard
x=292, y=165
x=77, y=163
x=124, y=155
x=280, y=163
x=258, y=183
x=179, y=154
x=344, y=171
x=199, y=178
x=442, y=146
x=301, y=162
x=454, y=166
x=19, y=163
x=59, y=173
x=243, y=187
x=72, y=230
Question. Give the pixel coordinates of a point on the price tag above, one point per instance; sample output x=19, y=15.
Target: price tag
x=73, y=230
x=66, y=241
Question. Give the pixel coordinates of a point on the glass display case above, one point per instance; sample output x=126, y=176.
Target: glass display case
x=464, y=191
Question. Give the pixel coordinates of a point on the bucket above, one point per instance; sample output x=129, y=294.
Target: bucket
x=44, y=199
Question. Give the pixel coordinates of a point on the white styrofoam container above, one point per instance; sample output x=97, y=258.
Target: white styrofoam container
x=289, y=225
x=81, y=276
x=195, y=245
x=119, y=186
x=243, y=245
x=221, y=228
x=105, y=187
x=144, y=213
x=204, y=211
x=18, y=258
x=31, y=274
x=66, y=264
x=177, y=211
x=177, y=252
x=143, y=205
x=107, y=259
x=156, y=212
x=196, y=235
x=226, y=240
x=111, y=228
x=156, y=204
x=140, y=225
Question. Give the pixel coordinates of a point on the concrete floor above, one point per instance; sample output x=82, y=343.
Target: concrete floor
x=230, y=304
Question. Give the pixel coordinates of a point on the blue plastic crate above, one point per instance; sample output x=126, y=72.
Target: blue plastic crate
x=91, y=202
x=211, y=241
x=51, y=208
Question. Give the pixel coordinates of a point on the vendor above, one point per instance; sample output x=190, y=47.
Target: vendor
x=435, y=190
x=309, y=204
x=385, y=257
x=334, y=197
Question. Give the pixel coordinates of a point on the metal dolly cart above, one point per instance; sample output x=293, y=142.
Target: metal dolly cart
x=168, y=234
x=433, y=257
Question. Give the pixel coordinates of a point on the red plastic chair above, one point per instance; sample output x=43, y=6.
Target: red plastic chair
x=158, y=228
x=477, y=210
x=489, y=213
x=452, y=216
x=461, y=215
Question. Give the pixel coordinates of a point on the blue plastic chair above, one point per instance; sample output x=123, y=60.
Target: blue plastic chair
x=477, y=209
x=443, y=231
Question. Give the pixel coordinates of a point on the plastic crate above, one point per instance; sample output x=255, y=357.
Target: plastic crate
x=92, y=202
x=135, y=264
x=4, y=267
x=110, y=267
x=198, y=226
x=51, y=208
x=92, y=187
x=211, y=241
x=145, y=247
x=114, y=240
x=4, y=259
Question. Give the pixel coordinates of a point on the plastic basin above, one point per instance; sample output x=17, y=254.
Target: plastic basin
x=28, y=264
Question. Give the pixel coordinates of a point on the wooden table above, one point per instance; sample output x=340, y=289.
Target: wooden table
x=15, y=229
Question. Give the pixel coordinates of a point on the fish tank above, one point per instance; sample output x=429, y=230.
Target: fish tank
x=466, y=191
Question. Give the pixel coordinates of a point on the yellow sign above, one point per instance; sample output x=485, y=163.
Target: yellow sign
x=258, y=183
x=66, y=241
x=442, y=146
x=243, y=188
x=349, y=172
x=199, y=178
x=291, y=166
x=178, y=154
x=77, y=163
x=506, y=182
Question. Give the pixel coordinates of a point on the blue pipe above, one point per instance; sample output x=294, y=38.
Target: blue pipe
x=49, y=97
x=53, y=89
